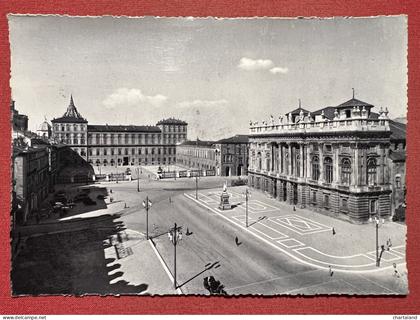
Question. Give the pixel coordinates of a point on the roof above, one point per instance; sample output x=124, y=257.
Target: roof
x=328, y=112
x=122, y=128
x=398, y=130
x=197, y=143
x=354, y=103
x=297, y=111
x=397, y=156
x=239, y=138
x=71, y=115
x=171, y=121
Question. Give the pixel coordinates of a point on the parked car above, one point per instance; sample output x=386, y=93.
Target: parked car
x=81, y=197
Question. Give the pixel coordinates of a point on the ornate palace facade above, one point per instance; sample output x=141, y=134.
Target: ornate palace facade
x=334, y=160
x=119, y=144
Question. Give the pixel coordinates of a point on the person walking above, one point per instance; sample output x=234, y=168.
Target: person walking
x=333, y=231
x=330, y=271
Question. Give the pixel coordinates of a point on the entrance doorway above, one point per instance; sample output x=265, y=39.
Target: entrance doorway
x=227, y=171
x=295, y=193
x=274, y=189
x=284, y=191
x=125, y=161
x=239, y=171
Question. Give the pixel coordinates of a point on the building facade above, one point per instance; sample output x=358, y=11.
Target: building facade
x=119, y=144
x=30, y=181
x=197, y=154
x=232, y=156
x=334, y=160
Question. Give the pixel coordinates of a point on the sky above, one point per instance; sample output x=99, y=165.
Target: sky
x=216, y=74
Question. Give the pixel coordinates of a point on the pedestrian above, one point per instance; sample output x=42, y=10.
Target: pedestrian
x=396, y=273
x=294, y=208
x=330, y=271
x=389, y=244
x=125, y=205
x=237, y=241
x=110, y=190
x=333, y=231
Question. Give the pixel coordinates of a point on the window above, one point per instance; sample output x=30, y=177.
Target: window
x=313, y=198
x=373, y=206
x=371, y=172
x=126, y=139
x=346, y=171
x=315, y=168
x=398, y=182
x=297, y=166
x=140, y=151
x=326, y=200
x=133, y=151
x=348, y=114
x=328, y=170
x=112, y=151
x=83, y=152
x=90, y=152
x=344, y=204
x=119, y=151
x=105, y=152
x=328, y=148
x=126, y=151
x=97, y=152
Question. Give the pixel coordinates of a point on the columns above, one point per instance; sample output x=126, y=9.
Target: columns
x=321, y=162
x=355, y=173
x=281, y=158
x=308, y=162
x=301, y=175
x=336, y=164
x=289, y=159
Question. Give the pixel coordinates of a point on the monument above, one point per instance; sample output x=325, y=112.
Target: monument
x=224, y=199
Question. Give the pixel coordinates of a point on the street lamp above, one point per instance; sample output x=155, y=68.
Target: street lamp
x=138, y=179
x=175, y=235
x=247, y=194
x=377, y=222
x=196, y=185
x=147, y=204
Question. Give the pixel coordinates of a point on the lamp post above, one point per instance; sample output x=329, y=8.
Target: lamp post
x=377, y=222
x=246, y=206
x=175, y=235
x=147, y=204
x=196, y=186
x=138, y=179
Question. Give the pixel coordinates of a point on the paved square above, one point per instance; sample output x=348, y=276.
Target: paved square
x=300, y=225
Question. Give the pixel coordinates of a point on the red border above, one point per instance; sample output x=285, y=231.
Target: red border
x=203, y=305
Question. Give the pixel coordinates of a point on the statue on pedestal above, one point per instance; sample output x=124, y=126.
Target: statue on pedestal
x=224, y=199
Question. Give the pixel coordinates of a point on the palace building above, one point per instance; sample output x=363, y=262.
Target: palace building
x=119, y=144
x=335, y=160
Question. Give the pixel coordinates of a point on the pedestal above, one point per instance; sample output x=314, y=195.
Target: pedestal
x=224, y=201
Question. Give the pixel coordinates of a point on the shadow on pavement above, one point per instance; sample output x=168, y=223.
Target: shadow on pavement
x=70, y=262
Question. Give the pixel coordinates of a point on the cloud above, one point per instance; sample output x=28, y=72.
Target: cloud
x=132, y=97
x=281, y=70
x=202, y=104
x=251, y=64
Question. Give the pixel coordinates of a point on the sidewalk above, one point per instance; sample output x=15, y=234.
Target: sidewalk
x=307, y=235
x=136, y=263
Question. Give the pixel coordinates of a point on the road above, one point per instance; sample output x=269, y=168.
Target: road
x=251, y=267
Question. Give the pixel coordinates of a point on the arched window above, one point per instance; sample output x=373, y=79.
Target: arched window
x=98, y=162
x=259, y=161
x=346, y=171
x=371, y=172
x=328, y=170
x=315, y=168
